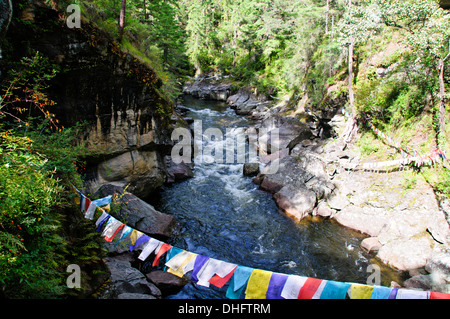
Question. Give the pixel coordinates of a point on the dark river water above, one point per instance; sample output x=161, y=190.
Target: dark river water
x=225, y=216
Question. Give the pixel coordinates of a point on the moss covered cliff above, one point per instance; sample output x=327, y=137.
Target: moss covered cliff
x=112, y=92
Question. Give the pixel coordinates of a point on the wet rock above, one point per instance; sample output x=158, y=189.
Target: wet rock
x=177, y=172
x=405, y=254
x=238, y=99
x=251, y=169
x=322, y=187
x=168, y=283
x=205, y=88
x=136, y=213
x=290, y=132
x=142, y=171
x=135, y=296
x=324, y=210
x=421, y=282
x=371, y=244
x=128, y=280
x=295, y=202
x=289, y=171
x=404, y=225
x=367, y=220
x=244, y=102
x=265, y=159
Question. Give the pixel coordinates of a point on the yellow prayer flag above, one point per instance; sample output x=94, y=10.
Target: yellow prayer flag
x=258, y=284
x=360, y=291
x=180, y=271
x=133, y=236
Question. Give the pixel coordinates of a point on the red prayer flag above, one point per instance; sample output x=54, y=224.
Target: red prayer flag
x=309, y=288
x=109, y=239
x=439, y=295
x=219, y=281
x=164, y=248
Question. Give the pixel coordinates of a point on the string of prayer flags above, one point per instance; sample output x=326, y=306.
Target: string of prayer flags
x=258, y=284
x=200, y=261
x=393, y=294
x=162, y=250
x=182, y=263
x=276, y=284
x=380, y=292
x=84, y=203
x=238, y=282
x=291, y=289
x=219, y=282
x=90, y=211
x=101, y=220
x=413, y=156
x=358, y=291
x=212, y=267
x=111, y=228
x=141, y=238
x=309, y=288
x=151, y=246
x=172, y=253
x=125, y=231
x=411, y=294
x=439, y=295
x=335, y=290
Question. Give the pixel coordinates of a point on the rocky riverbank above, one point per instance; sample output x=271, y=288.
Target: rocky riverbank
x=319, y=177
x=407, y=228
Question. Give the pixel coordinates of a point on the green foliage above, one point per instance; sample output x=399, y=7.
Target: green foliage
x=398, y=97
x=367, y=146
x=30, y=245
x=266, y=44
x=38, y=165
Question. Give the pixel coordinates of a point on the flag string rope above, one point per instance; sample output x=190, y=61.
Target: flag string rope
x=258, y=284
x=410, y=155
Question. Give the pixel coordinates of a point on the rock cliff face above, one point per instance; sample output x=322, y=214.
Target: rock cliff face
x=5, y=16
x=127, y=128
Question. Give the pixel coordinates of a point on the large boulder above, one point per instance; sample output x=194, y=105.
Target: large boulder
x=127, y=281
x=406, y=254
x=296, y=202
x=290, y=171
x=142, y=171
x=251, y=169
x=168, y=283
x=367, y=220
x=136, y=213
x=244, y=102
x=289, y=131
x=207, y=88
x=177, y=172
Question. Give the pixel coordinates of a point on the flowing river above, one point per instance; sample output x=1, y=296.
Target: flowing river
x=225, y=216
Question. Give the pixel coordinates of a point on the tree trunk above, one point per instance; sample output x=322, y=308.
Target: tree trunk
x=145, y=11
x=441, y=134
x=352, y=127
x=122, y=19
x=351, y=95
x=327, y=14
